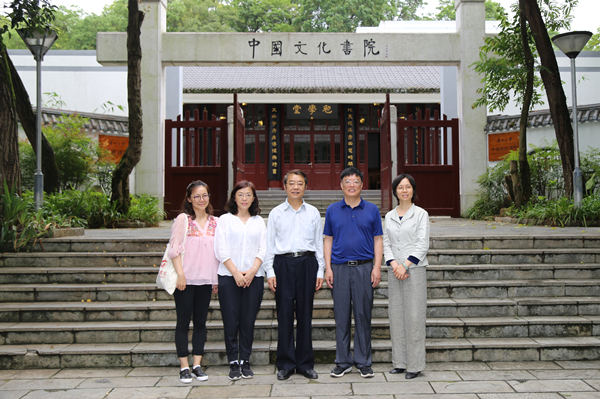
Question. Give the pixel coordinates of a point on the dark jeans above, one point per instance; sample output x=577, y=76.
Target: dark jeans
x=295, y=292
x=193, y=300
x=239, y=307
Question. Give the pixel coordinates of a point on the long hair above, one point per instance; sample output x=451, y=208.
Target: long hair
x=412, y=182
x=186, y=206
x=231, y=205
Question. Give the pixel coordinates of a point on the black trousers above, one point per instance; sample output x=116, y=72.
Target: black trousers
x=239, y=307
x=295, y=292
x=193, y=300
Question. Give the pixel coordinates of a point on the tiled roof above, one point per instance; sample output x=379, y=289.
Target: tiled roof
x=98, y=123
x=502, y=123
x=383, y=79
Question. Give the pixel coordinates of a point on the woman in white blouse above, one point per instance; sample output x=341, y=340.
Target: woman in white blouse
x=240, y=246
x=405, y=246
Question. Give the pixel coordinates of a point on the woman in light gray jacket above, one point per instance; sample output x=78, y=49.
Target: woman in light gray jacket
x=405, y=246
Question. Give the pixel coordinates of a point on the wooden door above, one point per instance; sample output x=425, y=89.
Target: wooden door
x=200, y=153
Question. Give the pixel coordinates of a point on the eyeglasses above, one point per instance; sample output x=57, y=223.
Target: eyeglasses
x=242, y=195
x=204, y=197
x=348, y=182
x=295, y=183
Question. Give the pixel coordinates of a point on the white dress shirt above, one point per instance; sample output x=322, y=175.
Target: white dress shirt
x=242, y=243
x=289, y=230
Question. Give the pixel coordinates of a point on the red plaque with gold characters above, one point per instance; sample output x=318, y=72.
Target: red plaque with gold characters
x=500, y=144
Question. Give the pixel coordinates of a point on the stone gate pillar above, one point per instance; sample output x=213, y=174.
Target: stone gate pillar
x=470, y=23
x=150, y=170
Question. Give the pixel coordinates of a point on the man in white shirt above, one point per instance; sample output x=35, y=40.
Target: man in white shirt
x=294, y=265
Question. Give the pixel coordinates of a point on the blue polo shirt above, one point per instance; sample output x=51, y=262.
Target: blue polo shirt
x=353, y=230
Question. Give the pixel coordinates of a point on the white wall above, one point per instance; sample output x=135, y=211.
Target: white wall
x=81, y=82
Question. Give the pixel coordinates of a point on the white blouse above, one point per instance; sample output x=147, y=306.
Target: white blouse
x=242, y=243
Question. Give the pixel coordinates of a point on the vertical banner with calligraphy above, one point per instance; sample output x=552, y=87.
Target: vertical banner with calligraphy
x=350, y=138
x=274, y=143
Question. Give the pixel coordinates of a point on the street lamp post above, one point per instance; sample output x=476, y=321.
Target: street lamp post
x=38, y=42
x=571, y=44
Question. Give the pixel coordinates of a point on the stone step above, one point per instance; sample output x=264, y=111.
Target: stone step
x=322, y=329
x=164, y=310
x=141, y=274
x=87, y=245
x=436, y=289
x=435, y=257
x=143, y=354
x=77, y=275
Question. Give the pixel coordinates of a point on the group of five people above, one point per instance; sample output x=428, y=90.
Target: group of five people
x=234, y=253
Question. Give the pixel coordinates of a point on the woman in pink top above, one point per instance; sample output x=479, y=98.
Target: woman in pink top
x=196, y=274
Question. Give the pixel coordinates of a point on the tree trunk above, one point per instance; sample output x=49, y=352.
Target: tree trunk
x=10, y=168
x=120, y=179
x=29, y=123
x=525, y=171
x=554, y=90
x=516, y=186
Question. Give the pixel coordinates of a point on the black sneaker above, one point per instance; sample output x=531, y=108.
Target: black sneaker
x=234, y=371
x=366, y=372
x=339, y=371
x=246, y=371
x=185, y=376
x=199, y=374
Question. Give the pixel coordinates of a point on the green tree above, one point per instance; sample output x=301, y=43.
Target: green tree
x=594, y=43
x=347, y=15
x=540, y=20
x=447, y=12
x=14, y=101
x=263, y=15
x=197, y=16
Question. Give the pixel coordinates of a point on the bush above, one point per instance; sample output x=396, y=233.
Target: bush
x=22, y=225
x=546, y=180
x=561, y=211
x=77, y=155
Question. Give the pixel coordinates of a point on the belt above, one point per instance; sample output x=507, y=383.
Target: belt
x=357, y=262
x=298, y=254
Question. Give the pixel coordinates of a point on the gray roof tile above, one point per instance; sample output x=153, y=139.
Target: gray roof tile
x=236, y=79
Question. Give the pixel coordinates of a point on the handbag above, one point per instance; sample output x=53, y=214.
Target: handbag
x=167, y=276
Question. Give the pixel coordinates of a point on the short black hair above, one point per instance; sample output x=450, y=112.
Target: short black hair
x=351, y=171
x=412, y=182
x=231, y=205
x=186, y=206
x=295, y=172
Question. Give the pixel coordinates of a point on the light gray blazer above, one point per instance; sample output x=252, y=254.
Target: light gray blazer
x=406, y=237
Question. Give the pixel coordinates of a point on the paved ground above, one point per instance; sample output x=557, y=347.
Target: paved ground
x=440, y=226
x=476, y=380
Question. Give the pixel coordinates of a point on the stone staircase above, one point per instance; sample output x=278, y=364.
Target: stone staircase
x=93, y=303
x=321, y=199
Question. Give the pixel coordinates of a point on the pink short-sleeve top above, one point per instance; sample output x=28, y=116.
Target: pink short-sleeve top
x=199, y=262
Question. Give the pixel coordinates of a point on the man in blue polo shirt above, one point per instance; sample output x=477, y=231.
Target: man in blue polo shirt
x=353, y=249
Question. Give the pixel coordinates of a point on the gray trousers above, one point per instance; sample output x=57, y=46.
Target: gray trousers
x=352, y=290
x=408, y=312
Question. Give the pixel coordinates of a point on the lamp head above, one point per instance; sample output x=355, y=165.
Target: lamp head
x=38, y=41
x=571, y=43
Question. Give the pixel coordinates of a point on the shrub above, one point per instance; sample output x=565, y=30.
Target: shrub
x=547, y=184
x=77, y=155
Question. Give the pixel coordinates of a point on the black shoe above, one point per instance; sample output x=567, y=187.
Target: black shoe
x=339, y=371
x=284, y=374
x=310, y=374
x=410, y=376
x=199, y=374
x=366, y=372
x=234, y=371
x=397, y=371
x=246, y=371
x=185, y=376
